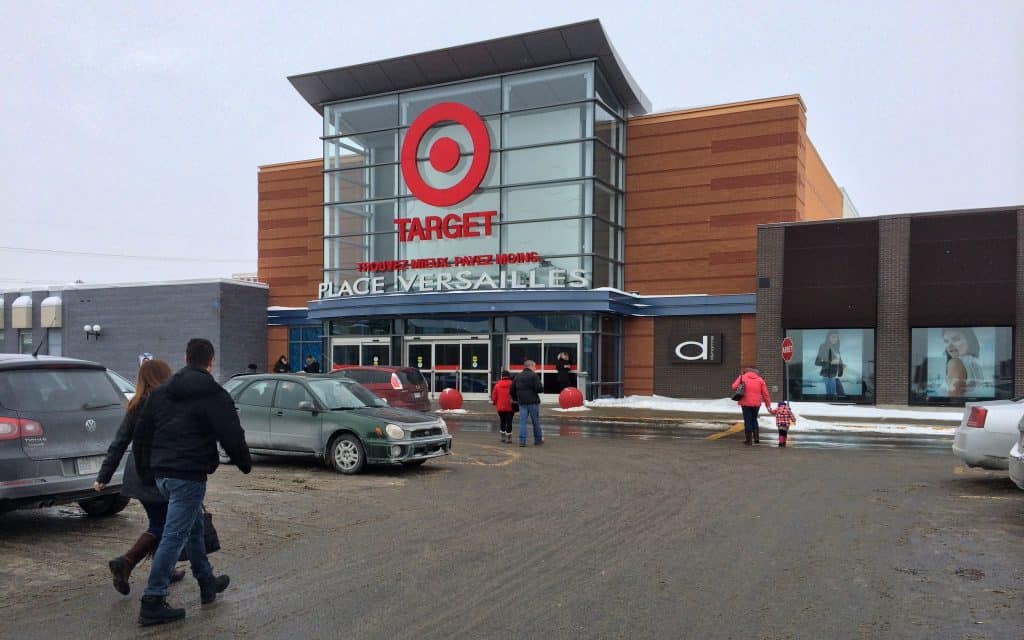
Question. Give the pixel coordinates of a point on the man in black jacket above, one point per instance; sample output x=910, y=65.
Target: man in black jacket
x=528, y=389
x=175, y=448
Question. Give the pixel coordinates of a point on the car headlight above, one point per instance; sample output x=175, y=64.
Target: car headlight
x=395, y=432
x=444, y=426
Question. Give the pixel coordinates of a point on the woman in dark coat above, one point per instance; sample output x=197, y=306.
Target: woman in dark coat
x=152, y=374
x=281, y=366
x=563, y=368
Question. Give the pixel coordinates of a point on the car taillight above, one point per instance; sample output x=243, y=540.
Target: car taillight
x=14, y=428
x=396, y=383
x=977, y=417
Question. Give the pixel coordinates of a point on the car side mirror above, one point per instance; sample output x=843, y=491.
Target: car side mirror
x=381, y=402
x=306, y=405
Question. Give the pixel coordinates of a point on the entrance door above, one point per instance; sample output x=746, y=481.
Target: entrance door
x=543, y=349
x=458, y=364
x=370, y=352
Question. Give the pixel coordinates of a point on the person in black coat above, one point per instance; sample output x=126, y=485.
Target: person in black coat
x=528, y=389
x=563, y=369
x=151, y=374
x=281, y=366
x=312, y=366
x=175, y=447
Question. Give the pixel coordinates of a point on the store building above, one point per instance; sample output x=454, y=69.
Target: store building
x=487, y=203
x=921, y=309
x=116, y=324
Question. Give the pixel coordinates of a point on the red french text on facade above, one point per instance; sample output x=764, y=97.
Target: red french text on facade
x=451, y=226
x=482, y=260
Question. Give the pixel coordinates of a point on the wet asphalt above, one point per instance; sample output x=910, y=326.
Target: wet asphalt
x=635, y=531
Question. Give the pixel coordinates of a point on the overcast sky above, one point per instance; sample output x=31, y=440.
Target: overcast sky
x=136, y=129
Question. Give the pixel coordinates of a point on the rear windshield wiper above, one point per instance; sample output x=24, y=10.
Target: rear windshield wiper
x=345, y=408
x=89, y=405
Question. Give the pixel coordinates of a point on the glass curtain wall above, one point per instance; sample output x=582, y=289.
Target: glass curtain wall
x=556, y=175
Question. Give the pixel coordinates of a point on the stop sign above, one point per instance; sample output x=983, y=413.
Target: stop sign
x=787, y=349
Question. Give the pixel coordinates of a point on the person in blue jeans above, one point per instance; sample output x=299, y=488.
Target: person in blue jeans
x=528, y=389
x=175, y=448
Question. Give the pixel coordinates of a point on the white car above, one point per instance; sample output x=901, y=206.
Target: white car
x=1017, y=457
x=987, y=432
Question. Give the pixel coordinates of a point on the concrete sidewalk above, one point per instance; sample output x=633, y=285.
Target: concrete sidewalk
x=941, y=417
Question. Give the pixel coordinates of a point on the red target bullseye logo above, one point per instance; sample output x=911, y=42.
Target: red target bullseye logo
x=444, y=154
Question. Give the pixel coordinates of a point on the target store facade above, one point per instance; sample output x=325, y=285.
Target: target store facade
x=514, y=199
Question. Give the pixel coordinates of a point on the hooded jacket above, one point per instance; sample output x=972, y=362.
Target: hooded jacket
x=501, y=395
x=754, y=390
x=183, y=421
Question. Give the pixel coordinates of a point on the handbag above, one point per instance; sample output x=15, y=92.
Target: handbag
x=210, y=538
x=740, y=391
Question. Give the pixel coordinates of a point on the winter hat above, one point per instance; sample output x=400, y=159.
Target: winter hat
x=782, y=403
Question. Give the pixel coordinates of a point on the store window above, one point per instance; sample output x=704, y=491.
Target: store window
x=25, y=341
x=832, y=365
x=302, y=342
x=954, y=365
x=557, y=144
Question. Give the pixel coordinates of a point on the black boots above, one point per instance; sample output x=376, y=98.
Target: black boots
x=211, y=586
x=757, y=434
x=155, y=610
x=747, y=437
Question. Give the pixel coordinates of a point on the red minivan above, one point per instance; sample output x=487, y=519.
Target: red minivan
x=403, y=387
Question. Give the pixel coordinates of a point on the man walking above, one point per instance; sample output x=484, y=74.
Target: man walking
x=175, y=447
x=528, y=389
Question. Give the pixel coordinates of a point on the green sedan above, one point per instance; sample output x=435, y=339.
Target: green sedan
x=335, y=419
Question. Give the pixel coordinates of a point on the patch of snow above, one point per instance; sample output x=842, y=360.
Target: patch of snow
x=451, y=411
x=570, y=409
x=727, y=406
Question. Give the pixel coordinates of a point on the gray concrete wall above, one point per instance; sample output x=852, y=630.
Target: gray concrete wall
x=243, y=331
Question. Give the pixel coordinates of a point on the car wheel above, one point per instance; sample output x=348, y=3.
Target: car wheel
x=347, y=455
x=413, y=463
x=105, y=506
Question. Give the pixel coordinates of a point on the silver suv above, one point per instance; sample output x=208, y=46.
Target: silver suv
x=57, y=418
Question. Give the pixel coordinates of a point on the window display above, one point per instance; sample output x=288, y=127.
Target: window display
x=832, y=365
x=951, y=365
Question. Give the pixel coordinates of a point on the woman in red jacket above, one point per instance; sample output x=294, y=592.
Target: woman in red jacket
x=754, y=392
x=501, y=398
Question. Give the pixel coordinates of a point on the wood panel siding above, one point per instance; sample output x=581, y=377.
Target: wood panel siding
x=698, y=182
x=638, y=356
x=290, y=237
x=748, y=341
x=822, y=197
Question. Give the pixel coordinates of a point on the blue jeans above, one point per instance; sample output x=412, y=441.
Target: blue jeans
x=750, y=419
x=533, y=412
x=830, y=387
x=183, y=530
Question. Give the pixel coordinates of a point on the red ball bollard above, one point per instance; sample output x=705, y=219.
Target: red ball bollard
x=450, y=399
x=570, y=397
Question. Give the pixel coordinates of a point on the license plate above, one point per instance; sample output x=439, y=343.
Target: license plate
x=417, y=395
x=89, y=465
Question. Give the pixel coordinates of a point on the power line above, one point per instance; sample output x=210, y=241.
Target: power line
x=96, y=254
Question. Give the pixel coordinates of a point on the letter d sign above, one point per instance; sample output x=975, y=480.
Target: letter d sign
x=697, y=355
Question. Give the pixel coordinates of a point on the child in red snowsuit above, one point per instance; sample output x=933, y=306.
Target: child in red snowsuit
x=783, y=418
x=501, y=398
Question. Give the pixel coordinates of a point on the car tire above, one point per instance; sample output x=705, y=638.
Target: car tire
x=346, y=454
x=104, y=506
x=413, y=463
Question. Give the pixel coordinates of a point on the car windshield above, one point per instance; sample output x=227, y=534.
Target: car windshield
x=341, y=394
x=57, y=390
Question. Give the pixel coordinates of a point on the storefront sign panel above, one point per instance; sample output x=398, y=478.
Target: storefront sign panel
x=701, y=349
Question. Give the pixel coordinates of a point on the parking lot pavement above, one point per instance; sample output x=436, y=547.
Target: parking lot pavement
x=583, y=537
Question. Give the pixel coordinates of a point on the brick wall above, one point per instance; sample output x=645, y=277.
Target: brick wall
x=892, y=335
x=695, y=380
x=1018, y=346
x=771, y=251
